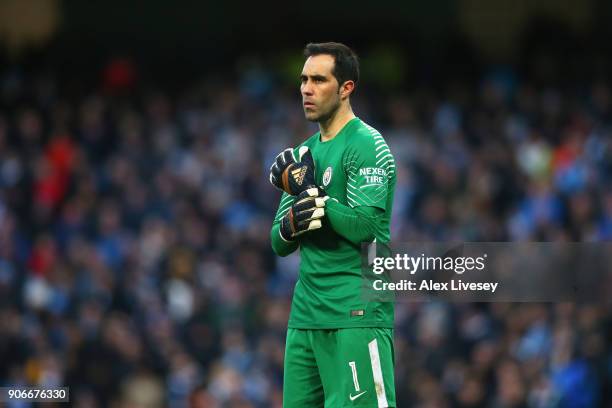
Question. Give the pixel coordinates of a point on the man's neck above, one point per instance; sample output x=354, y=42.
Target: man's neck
x=331, y=127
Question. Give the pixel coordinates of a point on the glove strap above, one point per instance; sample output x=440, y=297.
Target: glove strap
x=287, y=227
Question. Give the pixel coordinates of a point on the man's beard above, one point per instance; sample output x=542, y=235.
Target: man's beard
x=326, y=116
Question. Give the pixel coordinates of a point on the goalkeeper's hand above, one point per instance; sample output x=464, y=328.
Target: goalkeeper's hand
x=293, y=175
x=305, y=214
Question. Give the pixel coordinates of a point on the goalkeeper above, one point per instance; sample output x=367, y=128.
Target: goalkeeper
x=338, y=191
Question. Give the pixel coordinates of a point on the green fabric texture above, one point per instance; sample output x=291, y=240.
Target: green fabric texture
x=357, y=224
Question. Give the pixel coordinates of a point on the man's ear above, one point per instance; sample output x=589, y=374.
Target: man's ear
x=346, y=89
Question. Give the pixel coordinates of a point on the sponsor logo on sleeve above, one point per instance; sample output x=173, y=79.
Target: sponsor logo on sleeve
x=373, y=175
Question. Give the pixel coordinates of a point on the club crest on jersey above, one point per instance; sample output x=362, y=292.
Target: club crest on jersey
x=327, y=176
x=298, y=175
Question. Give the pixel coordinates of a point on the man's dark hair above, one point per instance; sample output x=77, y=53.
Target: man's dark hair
x=346, y=63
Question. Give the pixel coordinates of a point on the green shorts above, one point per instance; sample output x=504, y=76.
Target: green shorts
x=338, y=368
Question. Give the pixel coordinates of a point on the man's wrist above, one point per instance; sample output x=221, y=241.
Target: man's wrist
x=284, y=227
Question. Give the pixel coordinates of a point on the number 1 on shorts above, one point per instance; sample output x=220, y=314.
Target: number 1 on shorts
x=354, y=370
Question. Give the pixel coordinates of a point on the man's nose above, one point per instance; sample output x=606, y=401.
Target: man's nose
x=307, y=88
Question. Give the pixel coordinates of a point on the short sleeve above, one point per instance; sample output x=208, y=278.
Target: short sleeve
x=367, y=165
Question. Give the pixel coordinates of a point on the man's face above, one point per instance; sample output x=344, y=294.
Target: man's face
x=320, y=96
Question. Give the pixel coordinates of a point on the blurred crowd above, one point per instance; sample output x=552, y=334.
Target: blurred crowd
x=135, y=263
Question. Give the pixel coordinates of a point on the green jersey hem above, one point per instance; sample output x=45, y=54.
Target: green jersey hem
x=341, y=325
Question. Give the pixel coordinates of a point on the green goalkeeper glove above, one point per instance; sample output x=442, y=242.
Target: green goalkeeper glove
x=293, y=175
x=305, y=214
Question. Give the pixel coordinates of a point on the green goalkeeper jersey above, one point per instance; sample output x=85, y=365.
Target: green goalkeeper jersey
x=357, y=169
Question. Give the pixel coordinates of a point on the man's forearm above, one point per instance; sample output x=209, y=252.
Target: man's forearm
x=355, y=224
